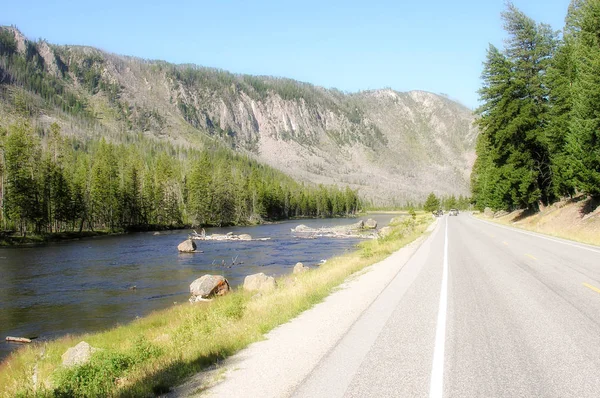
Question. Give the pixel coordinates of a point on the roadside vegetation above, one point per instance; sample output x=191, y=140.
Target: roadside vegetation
x=539, y=122
x=154, y=353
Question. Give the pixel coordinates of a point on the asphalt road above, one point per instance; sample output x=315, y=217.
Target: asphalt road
x=489, y=311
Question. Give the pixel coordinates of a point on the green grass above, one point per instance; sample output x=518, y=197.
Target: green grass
x=152, y=354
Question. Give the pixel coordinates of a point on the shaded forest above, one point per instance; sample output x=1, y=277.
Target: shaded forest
x=53, y=184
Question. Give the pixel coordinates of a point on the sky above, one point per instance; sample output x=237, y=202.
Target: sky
x=432, y=45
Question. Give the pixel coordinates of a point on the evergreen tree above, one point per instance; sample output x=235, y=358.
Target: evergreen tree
x=104, y=186
x=514, y=170
x=432, y=203
x=22, y=195
x=583, y=140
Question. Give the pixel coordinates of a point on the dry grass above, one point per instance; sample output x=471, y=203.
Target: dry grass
x=154, y=353
x=576, y=219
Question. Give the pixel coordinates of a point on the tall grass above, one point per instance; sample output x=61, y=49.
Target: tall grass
x=152, y=354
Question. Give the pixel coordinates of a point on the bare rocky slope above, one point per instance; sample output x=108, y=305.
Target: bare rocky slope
x=392, y=146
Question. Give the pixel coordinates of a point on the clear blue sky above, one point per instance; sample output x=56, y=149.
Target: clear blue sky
x=432, y=45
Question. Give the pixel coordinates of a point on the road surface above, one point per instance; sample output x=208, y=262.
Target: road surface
x=477, y=310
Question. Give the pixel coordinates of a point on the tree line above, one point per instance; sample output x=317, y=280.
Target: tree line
x=540, y=113
x=51, y=183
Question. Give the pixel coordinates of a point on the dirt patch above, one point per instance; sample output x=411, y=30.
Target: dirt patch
x=576, y=219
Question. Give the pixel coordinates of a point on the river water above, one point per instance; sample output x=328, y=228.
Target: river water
x=84, y=286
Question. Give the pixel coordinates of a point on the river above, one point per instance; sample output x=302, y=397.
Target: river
x=85, y=286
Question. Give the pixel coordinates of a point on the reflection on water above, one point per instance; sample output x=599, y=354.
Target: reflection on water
x=83, y=286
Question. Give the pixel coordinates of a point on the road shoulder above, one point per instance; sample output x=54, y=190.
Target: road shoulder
x=275, y=366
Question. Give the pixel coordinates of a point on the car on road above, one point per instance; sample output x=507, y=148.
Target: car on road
x=453, y=212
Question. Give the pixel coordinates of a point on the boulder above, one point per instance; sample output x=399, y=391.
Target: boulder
x=299, y=268
x=358, y=225
x=488, y=212
x=385, y=231
x=259, y=282
x=209, y=286
x=302, y=228
x=244, y=237
x=370, y=224
x=78, y=355
x=187, y=246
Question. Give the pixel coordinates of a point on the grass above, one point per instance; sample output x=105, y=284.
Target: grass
x=152, y=354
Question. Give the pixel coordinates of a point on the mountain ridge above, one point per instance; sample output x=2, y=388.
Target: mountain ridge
x=394, y=147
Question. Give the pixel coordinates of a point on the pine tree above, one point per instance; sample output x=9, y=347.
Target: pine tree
x=514, y=169
x=583, y=140
x=104, y=186
x=22, y=195
x=432, y=203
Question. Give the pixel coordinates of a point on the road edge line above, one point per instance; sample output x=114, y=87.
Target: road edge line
x=436, y=386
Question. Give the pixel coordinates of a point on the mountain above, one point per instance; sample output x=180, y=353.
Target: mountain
x=394, y=147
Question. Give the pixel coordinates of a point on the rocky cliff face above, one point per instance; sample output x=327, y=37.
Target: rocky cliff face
x=392, y=146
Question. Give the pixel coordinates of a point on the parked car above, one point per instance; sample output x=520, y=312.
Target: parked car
x=438, y=213
x=453, y=212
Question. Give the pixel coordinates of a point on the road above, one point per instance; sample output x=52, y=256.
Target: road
x=522, y=320
x=478, y=310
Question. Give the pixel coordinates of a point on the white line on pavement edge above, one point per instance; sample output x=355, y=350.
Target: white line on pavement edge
x=436, y=387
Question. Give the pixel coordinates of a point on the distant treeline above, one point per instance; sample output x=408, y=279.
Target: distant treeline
x=53, y=184
x=540, y=118
x=433, y=202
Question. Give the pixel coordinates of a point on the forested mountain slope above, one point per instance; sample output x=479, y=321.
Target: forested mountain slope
x=391, y=146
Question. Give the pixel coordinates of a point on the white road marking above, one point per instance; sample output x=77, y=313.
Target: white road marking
x=580, y=246
x=436, y=387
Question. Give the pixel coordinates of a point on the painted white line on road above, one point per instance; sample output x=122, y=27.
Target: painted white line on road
x=436, y=387
x=580, y=246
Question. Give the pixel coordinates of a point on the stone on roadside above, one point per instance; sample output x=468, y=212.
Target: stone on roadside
x=299, y=268
x=370, y=224
x=259, y=282
x=488, y=212
x=208, y=286
x=385, y=231
x=187, y=246
x=500, y=213
x=78, y=355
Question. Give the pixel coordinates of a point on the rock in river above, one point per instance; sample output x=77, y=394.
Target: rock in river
x=370, y=224
x=208, y=286
x=259, y=282
x=187, y=246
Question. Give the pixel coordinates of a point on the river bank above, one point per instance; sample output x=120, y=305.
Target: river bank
x=13, y=239
x=152, y=354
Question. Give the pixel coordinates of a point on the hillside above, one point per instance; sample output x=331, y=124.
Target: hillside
x=391, y=146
